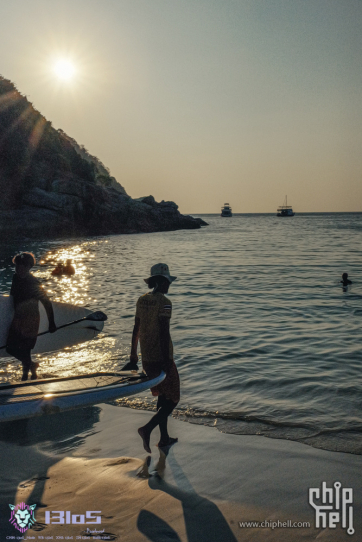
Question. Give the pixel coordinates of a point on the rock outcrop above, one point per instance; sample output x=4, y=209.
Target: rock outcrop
x=52, y=187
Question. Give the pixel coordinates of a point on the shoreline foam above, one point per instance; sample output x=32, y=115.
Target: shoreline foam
x=323, y=439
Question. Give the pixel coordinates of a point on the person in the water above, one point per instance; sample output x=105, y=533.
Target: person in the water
x=26, y=291
x=345, y=280
x=68, y=269
x=58, y=270
x=152, y=329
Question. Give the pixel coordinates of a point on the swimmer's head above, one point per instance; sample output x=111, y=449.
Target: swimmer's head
x=345, y=276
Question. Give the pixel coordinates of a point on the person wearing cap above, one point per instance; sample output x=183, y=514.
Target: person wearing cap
x=152, y=330
x=26, y=292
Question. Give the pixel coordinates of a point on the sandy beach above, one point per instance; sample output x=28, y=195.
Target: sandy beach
x=92, y=460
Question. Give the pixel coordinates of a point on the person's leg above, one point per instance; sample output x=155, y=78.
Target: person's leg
x=25, y=358
x=164, y=407
x=167, y=407
x=23, y=355
x=26, y=363
x=33, y=368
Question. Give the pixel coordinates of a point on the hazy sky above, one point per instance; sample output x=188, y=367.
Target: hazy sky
x=202, y=101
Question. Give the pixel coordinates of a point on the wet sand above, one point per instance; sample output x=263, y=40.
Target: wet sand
x=93, y=460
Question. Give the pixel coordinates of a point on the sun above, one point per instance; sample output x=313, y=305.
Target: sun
x=64, y=69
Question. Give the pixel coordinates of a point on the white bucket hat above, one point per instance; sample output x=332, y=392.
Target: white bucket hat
x=160, y=270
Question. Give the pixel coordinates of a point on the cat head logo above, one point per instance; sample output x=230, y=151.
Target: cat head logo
x=22, y=516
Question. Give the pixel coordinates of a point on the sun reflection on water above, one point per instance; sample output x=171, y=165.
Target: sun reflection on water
x=68, y=288
x=81, y=289
x=81, y=359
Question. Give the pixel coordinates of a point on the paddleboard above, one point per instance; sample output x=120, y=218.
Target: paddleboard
x=41, y=397
x=63, y=314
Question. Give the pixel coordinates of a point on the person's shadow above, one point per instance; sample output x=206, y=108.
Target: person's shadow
x=22, y=447
x=203, y=519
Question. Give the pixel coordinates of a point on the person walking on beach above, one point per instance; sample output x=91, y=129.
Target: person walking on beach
x=26, y=292
x=152, y=329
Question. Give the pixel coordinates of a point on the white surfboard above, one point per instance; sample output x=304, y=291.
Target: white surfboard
x=63, y=314
x=41, y=397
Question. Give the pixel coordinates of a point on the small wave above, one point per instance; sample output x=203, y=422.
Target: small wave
x=236, y=423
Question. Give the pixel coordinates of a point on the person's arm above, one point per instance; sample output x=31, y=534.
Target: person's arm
x=165, y=338
x=132, y=365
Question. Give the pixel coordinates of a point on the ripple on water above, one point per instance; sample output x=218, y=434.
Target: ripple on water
x=266, y=340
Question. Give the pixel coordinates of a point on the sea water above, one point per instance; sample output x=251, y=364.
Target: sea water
x=266, y=339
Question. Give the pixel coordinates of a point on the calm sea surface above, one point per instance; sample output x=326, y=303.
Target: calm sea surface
x=265, y=339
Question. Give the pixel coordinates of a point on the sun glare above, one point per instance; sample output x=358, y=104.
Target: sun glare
x=64, y=69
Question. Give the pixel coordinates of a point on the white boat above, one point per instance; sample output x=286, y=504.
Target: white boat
x=226, y=210
x=285, y=209
x=22, y=400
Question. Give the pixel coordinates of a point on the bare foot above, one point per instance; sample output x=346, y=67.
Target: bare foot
x=167, y=443
x=143, y=471
x=145, y=436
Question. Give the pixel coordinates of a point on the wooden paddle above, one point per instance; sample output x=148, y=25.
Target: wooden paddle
x=97, y=316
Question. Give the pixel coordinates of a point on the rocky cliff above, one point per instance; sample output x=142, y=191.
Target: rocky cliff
x=52, y=187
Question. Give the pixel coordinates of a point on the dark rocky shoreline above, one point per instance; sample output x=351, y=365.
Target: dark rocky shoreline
x=71, y=209
x=51, y=187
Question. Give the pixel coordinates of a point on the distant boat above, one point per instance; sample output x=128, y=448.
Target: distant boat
x=285, y=209
x=226, y=210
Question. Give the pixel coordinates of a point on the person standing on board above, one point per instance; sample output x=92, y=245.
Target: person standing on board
x=26, y=292
x=152, y=329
